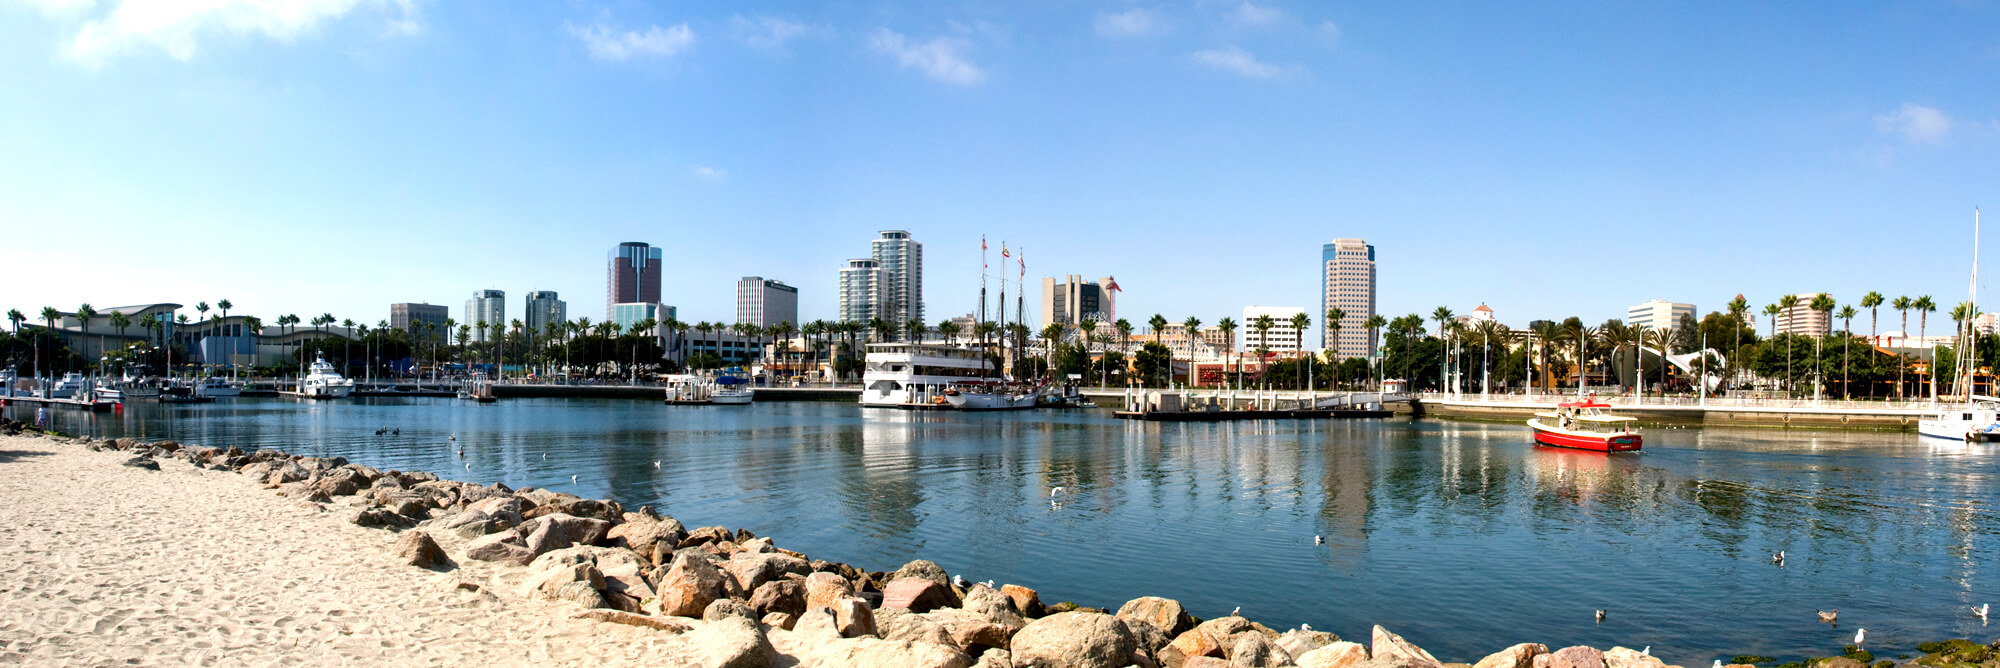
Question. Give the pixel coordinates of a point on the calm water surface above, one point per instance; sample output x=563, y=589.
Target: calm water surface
x=1461, y=536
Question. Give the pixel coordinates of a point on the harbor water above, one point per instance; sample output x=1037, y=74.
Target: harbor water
x=1462, y=536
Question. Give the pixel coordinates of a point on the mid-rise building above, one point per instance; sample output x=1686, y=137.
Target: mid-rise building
x=764, y=302
x=861, y=290
x=629, y=316
x=1801, y=319
x=402, y=316
x=1073, y=300
x=1480, y=314
x=900, y=297
x=632, y=276
x=487, y=306
x=1281, y=337
x=1657, y=314
x=1347, y=268
x=544, y=308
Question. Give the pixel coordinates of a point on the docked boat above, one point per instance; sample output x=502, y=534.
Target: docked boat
x=1583, y=425
x=8, y=379
x=992, y=396
x=1976, y=421
x=69, y=387
x=220, y=387
x=731, y=389
x=323, y=382
x=916, y=375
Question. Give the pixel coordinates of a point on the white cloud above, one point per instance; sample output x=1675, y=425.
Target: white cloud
x=939, y=58
x=1257, y=16
x=1238, y=61
x=707, y=173
x=1137, y=22
x=1917, y=123
x=1330, y=30
x=607, y=43
x=178, y=26
x=767, y=32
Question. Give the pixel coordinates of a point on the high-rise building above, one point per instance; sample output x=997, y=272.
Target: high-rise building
x=626, y=316
x=487, y=306
x=860, y=290
x=632, y=276
x=544, y=308
x=1347, y=269
x=1282, y=336
x=1657, y=314
x=401, y=316
x=1073, y=301
x=764, y=302
x=901, y=295
x=1803, y=320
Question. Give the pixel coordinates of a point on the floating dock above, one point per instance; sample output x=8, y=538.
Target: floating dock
x=84, y=404
x=1225, y=416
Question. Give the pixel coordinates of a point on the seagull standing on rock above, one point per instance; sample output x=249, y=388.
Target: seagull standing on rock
x=1858, y=635
x=960, y=582
x=1238, y=612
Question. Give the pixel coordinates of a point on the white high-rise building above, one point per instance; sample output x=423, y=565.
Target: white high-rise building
x=1073, y=300
x=860, y=290
x=764, y=302
x=544, y=308
x=1801, y=319
x=1657, y=314
x=1282, y=336
x=1347, y=283
x=487, y=306
x=901, y=295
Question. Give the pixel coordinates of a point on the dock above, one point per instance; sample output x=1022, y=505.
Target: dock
x=82, y=404
x=1225, y=416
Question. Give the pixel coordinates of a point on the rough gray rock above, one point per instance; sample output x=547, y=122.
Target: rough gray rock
x=1165, y=614
x=731, y=642
x=1080, y=639
x=417, y=549
x=143, y=462
x=688, y=587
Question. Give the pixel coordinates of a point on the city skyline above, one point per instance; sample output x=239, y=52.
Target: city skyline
x=1199, y=152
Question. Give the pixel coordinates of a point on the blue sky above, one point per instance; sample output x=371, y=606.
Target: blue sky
x=1548, y=159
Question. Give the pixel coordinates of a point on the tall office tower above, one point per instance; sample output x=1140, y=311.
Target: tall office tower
x=1347, y=269
x=488, y=306
x=764, y=302
x=1803, y=320
x=1657, y=314
x=632, y=275
x=401, y=316
x=544, y=308
x=901, y=296
x=1072, y=301
x=860, y=290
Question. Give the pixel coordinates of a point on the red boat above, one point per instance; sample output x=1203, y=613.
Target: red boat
x=1583, y=425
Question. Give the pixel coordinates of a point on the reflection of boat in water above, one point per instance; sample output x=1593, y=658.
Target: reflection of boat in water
x=992, y=396
x=1978, y=420
x=323, y=382
x=1583, y=425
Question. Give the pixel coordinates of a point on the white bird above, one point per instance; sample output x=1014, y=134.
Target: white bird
x=989, y=584
x=1830, y=617
x=1648, y=651
x=572, y=480
x=1600, y=615
x=959, y=582
x=1858, y=635
x=1056, y=490
x=1778, y=558
x=1982, y=610
x=468, y=466
x=452, y=437
x=461, y=452
x=1305, y=627
x=1319, y=540
x=1718, y=664
x=656, y=465
x=545, y=456
x=1238, y=612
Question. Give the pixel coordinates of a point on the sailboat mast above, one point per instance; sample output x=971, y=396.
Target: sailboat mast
x=1003, y=307
x=1971, y=317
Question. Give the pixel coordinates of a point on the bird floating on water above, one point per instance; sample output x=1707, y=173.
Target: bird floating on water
x=1319, y=540
x=461, y=452
x=398, y=431
x=572, y=480
x=1600, y=615
x=452, y=437
x=656, y=465
x=1830, y=616
x=1778, y=557
x=1982, y=610
x=1053, y=491
x=1858, y=635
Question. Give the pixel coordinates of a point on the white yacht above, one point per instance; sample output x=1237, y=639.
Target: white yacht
x=731, y=389
x=220, y=387
x=916, y=375
x=323, y=382
x=984, y=396
x=1977, y=420
x=71, y=384
x=8, y=378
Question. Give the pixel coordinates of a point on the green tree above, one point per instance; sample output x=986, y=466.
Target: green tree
x=1154, y=362
x=14, y=315
x=1300, y=321
x=1263, y=325
x=1443, y=315
x=1902, y=305
x=1227, y=325
x=1193, y=326
x=1374, y=325
x=1824, y=304
x=1924, y=308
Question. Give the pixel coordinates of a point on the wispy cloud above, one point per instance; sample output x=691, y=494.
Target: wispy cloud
x=178, y=28
x=1137, y=22
x=1916, y=123
x=1238, y=61
x=611, y=44
x=1249, y=14
x=768, y=33
x=938, y=59
x=710, y=174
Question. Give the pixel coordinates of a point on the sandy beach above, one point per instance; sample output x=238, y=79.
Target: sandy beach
x=102, y=563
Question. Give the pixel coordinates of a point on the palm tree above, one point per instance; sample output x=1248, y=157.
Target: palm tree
x=1089, y=329
x=223, y=305
x=1771, y=312
x=948, y=329
x=1547, y=333
x=1846, y=316
x=83, y=315
x=15, y=315
x=1193, y=326
x=1333, y=318
x=121, y=321
x=1300, y=321
x=916, y=329
x=1487, y=332
x=1824, y=304
x=1051, y=333
x=1124, y=329
x=49, y=315
x=1443, y=315
x=1738, y=308
x=1374, y=325
x=1902, y=305
x=1227, y=326
x=1924, y=308
x=1263, y=325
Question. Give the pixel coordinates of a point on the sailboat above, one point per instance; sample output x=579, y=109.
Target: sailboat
x=1978, y=419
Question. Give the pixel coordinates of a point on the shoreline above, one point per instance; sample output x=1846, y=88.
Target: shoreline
x=594, y=583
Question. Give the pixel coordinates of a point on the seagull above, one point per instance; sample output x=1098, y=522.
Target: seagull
x=1305, y=627
x=572, y=480
x=1648, y=651
x=989, y=584
x=1982, y=610
x=545, y=456
x=1778, y=558
x=1718, y=664
x=959, y=582
x=468, y=466
x=1238, y=612
x=397, y=431
x=1600, y=615
x=1053, y=491
x=656, y=464
x=1858, y=635
x=1319, y=540
x=452, y=437
x=1829, y=617
x=461, y=452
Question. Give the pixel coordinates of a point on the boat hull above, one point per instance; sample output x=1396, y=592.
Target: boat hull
x=973, y=401
x=730, y=398
x=1959, y=431
x=1594, y=442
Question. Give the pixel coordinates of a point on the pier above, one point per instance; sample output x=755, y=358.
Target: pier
x=1710, y=411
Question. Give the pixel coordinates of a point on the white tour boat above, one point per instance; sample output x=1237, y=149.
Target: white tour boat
x=323, y=382
x=916, y=375
x=220, y=387
x=1978, y=420
x=72, y=383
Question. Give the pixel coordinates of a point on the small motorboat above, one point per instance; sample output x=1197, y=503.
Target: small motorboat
x=1583, y=425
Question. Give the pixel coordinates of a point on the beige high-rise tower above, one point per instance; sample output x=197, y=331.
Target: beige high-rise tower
x=1347, y=270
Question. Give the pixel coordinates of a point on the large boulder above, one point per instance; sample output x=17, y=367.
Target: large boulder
x=879, y=652
x=727, y=607
x=1165, y=614
x=607, y=511
x=1518, y=656
x=1571, y=657
x=337, y=482
x=924, y=570
x=1335, y=655
x=1025, y=599
x=1253, y=650
x=1080, y=639
x=853, y=618
x=549, y=583
x=1626, y=657
x=918, y=595
x=825, y=589
x=1386, y=645
x=785, y=595
x=970, y=631
x=417, y=549
x=143, y=462
x=731, y=642
x=1298, y=642
x=752, y=569
x=641, y=532
x=503, y=547
x=994, y=606
x=376, y=517
x=688, y=587
x=901, y=624
x=555, y=532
